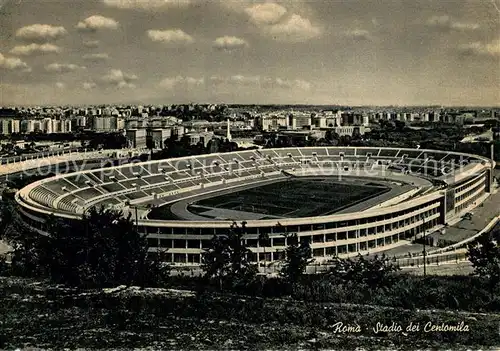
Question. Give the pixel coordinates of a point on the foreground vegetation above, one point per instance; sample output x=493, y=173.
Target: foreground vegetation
x=61, y=300
x=33, y=314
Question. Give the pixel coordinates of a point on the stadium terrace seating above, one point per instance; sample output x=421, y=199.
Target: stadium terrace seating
x=88, y=194
x=68, y=203
x=152, y=191
x=137, y=182
x=389, y=153
x=93, y=178
x=102, y=176
x=194, y=164
x=414, y=161
x=267, y=169
x=214, y=169
x=135, y=195
x=212, y=160
x=411, y=153
x=117, y=175
x=246, y=164
x=367, y=152
x=204, y=180
x=454, y=159
x=248, y=155
x=189, y=183
x=269, y=153
x=136, y=169
x=213, y=178
x=169, y=187
x=154, y=179
x=251, y=172
x=352, y=159
x=43, y=195
x=327, y=158
x=113, y=187
x=289, y=167
x=64, y=182
x=434, y=155
x=180, y=175
x=80, y=180
x=228, y=176
x=345, y=151
x=55, y=188
x=126, y=171
x=107, y=202
x=228, y=158
x=165, y=167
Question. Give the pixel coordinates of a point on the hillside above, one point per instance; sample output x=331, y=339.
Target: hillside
x=34, y=314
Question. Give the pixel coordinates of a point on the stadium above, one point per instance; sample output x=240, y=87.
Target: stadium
x=344, y=200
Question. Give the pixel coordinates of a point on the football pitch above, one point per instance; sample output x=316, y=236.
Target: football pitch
x=295, y=197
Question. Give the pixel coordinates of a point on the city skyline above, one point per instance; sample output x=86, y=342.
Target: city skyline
x=247, y=52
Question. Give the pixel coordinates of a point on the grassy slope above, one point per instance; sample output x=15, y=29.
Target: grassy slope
x=32, y=314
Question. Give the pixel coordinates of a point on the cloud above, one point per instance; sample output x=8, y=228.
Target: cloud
x=13, y=63
x=358, y=34
x=286, y=84
x=89, y=85
x=302, y=84
x=96, y=57
x=119, y=79
x=294, y=29
x=172, y=83
x=91, y=44
x=63, y=67
x=491, y=49
x=267, y=13
x=35, y=49
x=229, y=43
x=96, y=22
x=60, y=85
x=262, y=82
x=446, y=23
x=236, y=80
x=146, y=4
x=273, y=21
x=170, y=36
x=244, y=80
x=40, y=33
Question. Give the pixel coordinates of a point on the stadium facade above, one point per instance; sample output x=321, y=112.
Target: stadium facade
x=441, y=186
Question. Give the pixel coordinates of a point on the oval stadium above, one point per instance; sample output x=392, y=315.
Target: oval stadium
x=344, y=200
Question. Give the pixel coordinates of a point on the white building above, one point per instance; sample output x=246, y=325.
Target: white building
x=136, y=138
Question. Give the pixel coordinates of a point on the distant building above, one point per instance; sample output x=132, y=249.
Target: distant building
x=349, y=130
x=158, y=136
x=196, y=137
x=9, y=126
x=269, y=123
x=136, y=138
x=108, y=123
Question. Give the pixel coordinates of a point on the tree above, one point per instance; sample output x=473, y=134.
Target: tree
x=371, y=272
x=297, y=258
x=25, y=242
x=227, y=259
x=484, y=254
x=103, y=249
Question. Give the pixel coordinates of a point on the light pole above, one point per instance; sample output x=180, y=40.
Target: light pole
x=136, y=220
x=425, y=260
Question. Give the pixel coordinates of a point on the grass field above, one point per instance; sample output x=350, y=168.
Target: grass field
x=295, y=197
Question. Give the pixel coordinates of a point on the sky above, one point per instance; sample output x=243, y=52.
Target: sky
x=356, y=52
